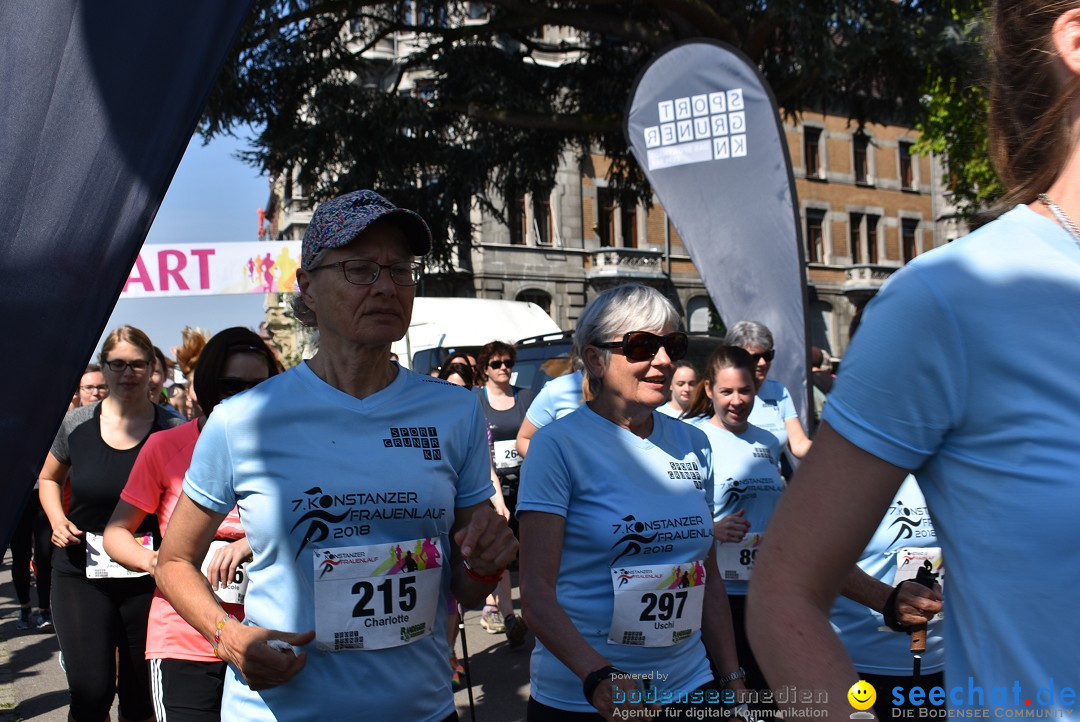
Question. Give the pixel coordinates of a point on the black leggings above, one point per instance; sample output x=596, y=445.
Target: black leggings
x=94, y=617
x=32, y=534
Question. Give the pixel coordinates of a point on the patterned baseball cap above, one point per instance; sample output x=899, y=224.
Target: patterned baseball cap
x=337, y=222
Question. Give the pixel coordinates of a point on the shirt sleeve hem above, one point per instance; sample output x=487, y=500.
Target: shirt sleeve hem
x=200, y=497
x=872, y=440
x=548, y=507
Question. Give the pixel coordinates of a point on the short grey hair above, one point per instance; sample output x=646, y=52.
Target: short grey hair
x=749, y=334
x=631, y=307
x=301, y=312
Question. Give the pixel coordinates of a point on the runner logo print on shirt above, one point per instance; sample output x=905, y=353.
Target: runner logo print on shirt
x=656, y=536
x=425, y=438
x=656, y=606
x=696, y=129
x=378, y=596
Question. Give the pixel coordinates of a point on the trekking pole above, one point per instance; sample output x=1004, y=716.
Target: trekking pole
x=465, y=662
x=918, y=633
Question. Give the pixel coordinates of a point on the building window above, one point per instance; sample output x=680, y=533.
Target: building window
x=605, y=217
x=871, y=238
x=907, y=168
x=431, y=14
x=542, y=221
x=812, y=152
x=540, y=298
x=908, y=229
x=860, y=147
x=477, y=11
x=815, y=235
x=855, y=230
x=628, y=221
x=699, y=314
x=516, y=221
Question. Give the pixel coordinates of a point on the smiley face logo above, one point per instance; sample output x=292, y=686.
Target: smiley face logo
x=862, y=695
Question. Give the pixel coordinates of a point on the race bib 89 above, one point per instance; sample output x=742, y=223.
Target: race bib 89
x=735, y=560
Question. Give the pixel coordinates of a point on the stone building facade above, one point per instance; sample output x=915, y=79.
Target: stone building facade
x=867, y=205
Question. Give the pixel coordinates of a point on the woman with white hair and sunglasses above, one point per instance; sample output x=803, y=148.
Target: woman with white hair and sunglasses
x=618, y=575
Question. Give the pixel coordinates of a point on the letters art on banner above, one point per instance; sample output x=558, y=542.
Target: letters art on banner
x=188, y=269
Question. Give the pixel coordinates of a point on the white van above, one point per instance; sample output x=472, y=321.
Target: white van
x=440, y=324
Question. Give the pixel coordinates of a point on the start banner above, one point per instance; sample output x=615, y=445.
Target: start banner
x=206, y=269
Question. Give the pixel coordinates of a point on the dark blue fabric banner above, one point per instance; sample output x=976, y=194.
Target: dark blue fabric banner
x=704, y=126
x=99, y=102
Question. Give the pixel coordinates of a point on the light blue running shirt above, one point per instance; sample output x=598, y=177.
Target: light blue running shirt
x=906, y=524
x=964, y=371
x=772, y=408
x=559, y=397
x=312, y=469
x=747, y=477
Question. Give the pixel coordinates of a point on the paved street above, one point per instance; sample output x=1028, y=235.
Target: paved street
x=33, y=687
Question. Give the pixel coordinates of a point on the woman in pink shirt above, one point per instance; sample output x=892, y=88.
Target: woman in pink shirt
x=186, y=677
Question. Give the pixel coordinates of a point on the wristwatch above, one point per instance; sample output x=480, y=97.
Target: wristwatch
x=594, y=678
x=727, y=679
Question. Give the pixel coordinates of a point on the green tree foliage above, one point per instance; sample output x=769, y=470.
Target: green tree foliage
x=953, y=123
x=504, y=88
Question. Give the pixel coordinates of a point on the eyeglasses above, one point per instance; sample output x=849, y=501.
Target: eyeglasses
x=89, y=388
x=233, y=386
x=137, y=367
x=768, y=356
x=642, y=345
x=499, y=364
x=364, y=273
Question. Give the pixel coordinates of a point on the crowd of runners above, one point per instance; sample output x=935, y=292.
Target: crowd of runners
x=265, y=543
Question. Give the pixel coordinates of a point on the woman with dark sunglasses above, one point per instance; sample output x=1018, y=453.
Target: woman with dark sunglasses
x=186, y=678
x=619, y=579
x=504, y=409
x=773, y=410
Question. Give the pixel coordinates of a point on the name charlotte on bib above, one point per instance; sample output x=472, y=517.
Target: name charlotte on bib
x=377, y=596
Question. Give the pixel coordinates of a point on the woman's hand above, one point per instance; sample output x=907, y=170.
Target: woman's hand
x=222, y=568
x=261, y=665
x=486, y=542
x=732, y=528
x=66, y=534
x=916, y=605
x=604, y=699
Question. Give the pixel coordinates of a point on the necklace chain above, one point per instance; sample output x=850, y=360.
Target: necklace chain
x=1062, y=218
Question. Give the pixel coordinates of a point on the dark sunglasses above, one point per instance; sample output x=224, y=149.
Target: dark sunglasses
x=233, y=386
x=499, y=364
x=768, y=356
x=642, y=345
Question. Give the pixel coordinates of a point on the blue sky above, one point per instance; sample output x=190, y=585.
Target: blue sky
x=213, y=198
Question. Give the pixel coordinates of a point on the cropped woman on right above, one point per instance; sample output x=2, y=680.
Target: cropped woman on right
x=964, y=371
